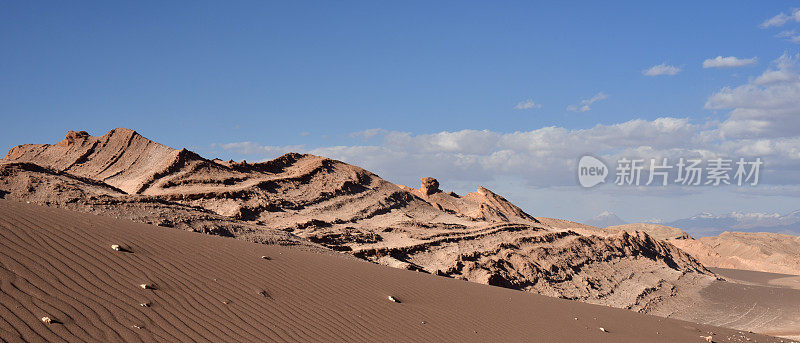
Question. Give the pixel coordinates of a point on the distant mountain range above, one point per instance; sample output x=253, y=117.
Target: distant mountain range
x=605, y=219
x=708, y=224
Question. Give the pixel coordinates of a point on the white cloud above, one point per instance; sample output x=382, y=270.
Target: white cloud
x=585, y=104
x=253, y=148
x=527, y=104
x=661, y=69
x=728, y=62
x=368, y=133
x=767, y=106
x=761, y=122
x=546, y=157
x=462, y=142
x=790, y=35
x=781, y=18
x=777, y=20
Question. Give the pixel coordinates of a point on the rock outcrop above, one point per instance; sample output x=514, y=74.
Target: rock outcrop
x=429, y=185
x=654, y=230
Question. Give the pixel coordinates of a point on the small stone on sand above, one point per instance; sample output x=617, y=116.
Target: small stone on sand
x=145, y=286
x=116, y=247
x=393, y=299
x=47, y=320
x=603, y=329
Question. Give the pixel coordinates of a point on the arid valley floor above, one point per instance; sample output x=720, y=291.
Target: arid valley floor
x=305, y=248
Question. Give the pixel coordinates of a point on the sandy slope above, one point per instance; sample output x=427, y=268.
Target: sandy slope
x=749, y=277
x=768, y=303
x=756, y=301
x=314, y=201
x=761, y=251
x=60, y=264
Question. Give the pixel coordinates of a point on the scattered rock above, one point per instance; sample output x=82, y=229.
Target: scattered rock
x=146, y=304
x=264, y=294
x=118, y=247
x=137, y=327
x=708, y=339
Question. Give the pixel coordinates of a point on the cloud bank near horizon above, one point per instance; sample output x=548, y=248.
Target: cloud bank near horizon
x=760, y=123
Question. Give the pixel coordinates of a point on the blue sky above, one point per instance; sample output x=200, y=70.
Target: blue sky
x=252, y=80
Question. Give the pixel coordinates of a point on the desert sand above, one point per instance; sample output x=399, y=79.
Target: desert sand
x=761, y=302
x=61, y=265
x=747, y=297
x=316, y=202
x=306, y=204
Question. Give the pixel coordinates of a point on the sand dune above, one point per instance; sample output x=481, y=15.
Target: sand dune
x=761, y=302
x=321, y=205
x=316, y=202
x=59, y=264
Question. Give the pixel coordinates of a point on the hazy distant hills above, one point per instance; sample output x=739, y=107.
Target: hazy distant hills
x=708, y=224
x=605, y=219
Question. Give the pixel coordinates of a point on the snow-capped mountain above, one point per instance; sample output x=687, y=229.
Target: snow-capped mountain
x=708, y=224
x=605, y=219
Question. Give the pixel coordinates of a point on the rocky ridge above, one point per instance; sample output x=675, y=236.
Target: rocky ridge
x=325, y=204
